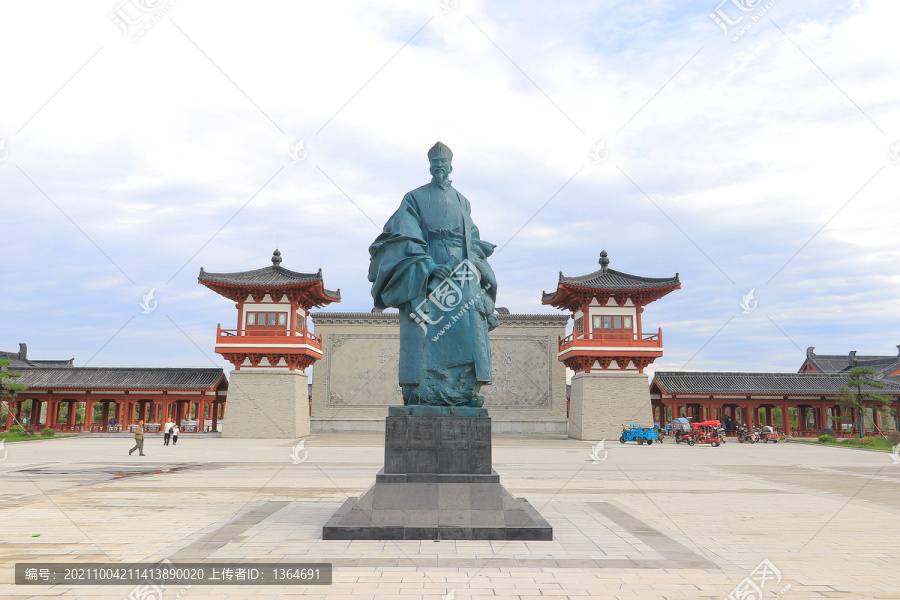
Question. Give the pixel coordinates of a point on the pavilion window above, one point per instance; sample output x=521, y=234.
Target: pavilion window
x=266, y=319
x=612, y=323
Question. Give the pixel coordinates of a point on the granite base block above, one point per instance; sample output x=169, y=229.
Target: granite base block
x=460, y=445
x=441, y=510
x=437, y=484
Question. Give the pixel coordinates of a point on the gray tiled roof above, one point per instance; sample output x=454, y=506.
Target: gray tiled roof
x=108, y=378
x=265, y=277
x=16, y=363
x=834, y=364
x=716, y=382
x=610, y=279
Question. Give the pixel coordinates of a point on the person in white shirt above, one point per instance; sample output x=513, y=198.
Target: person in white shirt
x=167, y=431
x=174, y=434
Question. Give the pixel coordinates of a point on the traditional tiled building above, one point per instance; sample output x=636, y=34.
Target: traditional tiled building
x=751, y=398
x=608, y=349
x=270, y=347
x=193, y=397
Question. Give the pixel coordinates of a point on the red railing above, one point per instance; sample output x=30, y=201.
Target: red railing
x=599, y=340
x=282, y=336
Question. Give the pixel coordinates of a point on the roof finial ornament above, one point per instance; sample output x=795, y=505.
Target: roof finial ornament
x=604, y=261
x=276, y=257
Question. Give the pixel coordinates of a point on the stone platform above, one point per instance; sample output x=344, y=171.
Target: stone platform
x=437, y=483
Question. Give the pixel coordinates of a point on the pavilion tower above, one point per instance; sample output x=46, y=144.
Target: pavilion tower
x=608, y=349
x=270, y=347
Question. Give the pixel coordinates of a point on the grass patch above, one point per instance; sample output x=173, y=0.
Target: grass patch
x=871, y=443
x=24, y=437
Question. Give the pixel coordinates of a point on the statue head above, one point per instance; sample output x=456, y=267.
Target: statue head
x=440, y=156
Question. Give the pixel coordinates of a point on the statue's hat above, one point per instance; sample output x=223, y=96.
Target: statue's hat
x=439, y=150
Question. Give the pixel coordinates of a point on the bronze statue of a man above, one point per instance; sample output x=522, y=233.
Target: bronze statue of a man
x=430, y=263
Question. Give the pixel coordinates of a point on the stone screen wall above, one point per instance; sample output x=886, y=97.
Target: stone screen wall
x=356, y=379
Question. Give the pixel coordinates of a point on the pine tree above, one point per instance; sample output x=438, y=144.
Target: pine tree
x=8, y=389
x=850, y=395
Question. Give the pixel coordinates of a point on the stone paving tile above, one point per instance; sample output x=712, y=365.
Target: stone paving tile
x=695, y=523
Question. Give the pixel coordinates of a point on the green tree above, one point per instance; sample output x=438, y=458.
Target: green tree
x=850, y=395
x=9, y=386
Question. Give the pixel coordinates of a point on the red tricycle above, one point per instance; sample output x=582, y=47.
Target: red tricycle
x=707, y=432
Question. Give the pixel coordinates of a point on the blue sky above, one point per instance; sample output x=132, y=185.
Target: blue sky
x=763, y=163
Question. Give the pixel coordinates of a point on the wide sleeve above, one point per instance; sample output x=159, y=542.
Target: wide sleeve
x=400, y=264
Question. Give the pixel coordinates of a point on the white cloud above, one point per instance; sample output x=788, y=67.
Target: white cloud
x=154, y=153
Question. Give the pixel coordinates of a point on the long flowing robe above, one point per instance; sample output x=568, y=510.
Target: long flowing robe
x=445, y=354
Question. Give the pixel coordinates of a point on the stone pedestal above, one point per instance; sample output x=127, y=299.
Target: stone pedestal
x=600, y=404
x=437, y=483
x=271, y=404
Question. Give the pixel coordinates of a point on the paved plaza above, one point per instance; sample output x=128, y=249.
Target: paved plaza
x=629, y=521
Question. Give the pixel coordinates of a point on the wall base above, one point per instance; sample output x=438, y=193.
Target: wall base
x=271, y=405
x=376, y=425
x=601, y=404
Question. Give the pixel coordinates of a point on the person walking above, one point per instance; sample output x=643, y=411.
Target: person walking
x=174, y=434
x=167, y=432
x=138, y=439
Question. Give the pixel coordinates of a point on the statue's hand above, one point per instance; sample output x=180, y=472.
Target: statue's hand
x=441, y=272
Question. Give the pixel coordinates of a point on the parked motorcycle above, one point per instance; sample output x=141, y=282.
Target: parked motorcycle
x=745, y=435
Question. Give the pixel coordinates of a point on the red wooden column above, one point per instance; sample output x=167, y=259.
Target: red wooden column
x=201, y=416
x=88, y=419
x=35, y=417
x=70, y=413
x=215, y=414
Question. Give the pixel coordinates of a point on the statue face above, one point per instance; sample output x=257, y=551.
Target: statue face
x=440, y=167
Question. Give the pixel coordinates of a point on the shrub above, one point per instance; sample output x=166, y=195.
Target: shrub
x=827, y=431
x=866, y=441
x=17, y=429
x=826, y=439
x=892, y=437
x=47, y=432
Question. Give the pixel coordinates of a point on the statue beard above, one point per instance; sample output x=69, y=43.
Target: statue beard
x=441, y=178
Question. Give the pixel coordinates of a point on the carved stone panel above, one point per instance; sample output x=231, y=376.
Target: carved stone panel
x=363, y=370
x=521, y=369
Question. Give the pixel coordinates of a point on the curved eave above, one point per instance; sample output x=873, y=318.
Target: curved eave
x=610, y=279
x=314, y=290
x=565, y=292
x=287, y=276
